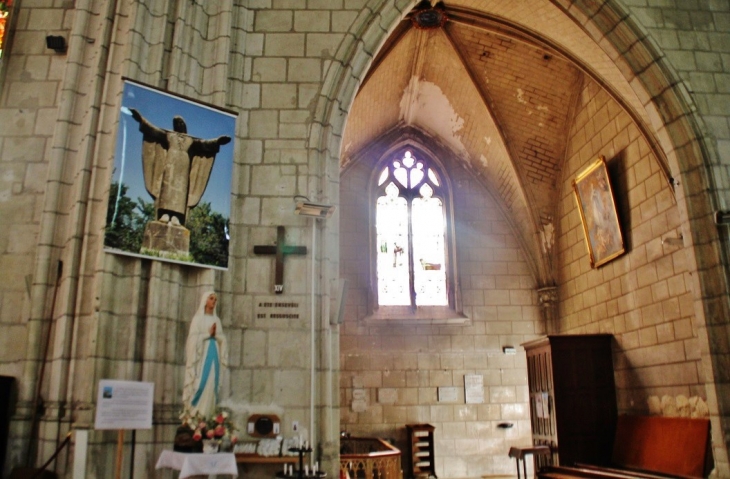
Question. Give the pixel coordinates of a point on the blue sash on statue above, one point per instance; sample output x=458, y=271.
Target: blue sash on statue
x=211, y=360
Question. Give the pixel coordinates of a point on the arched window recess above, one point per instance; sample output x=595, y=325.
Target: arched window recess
x=412, y=242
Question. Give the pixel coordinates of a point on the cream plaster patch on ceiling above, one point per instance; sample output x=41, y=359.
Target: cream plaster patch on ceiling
x=521, y=99
x=521, y=96
x=410, y=93
x=483, y=161
x=424, y=104
x=544, y=110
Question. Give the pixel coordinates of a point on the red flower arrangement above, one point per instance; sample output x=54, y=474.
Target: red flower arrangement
x=219, y=426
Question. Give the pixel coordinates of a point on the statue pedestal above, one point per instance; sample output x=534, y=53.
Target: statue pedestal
x=166, y=238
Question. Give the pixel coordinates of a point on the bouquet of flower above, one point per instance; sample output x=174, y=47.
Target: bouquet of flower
x=219, y=426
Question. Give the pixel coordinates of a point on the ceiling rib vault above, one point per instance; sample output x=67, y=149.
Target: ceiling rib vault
x=497, y=95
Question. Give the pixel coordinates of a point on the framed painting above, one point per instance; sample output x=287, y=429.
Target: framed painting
x=170, y=191
x=598, y=214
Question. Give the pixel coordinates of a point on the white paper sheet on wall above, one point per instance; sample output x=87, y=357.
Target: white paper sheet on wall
x=474, y=388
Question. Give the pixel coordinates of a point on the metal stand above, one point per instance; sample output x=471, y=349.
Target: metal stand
x=299, y=473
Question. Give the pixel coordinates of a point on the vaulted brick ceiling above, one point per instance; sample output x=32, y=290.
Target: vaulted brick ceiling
x=496, y=93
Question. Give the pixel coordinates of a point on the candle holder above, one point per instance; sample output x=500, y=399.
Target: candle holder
x=300, y=472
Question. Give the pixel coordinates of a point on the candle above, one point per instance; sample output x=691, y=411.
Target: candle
x=306, y=469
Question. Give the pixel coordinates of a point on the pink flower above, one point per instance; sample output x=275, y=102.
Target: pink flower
x=210, y=433
x=197, y=435
x=234, y=439
x=201, y=425
x=219, y=419
x=219, y=430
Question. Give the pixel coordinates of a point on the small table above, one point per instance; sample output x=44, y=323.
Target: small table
x=519, y=453
x=196, y=464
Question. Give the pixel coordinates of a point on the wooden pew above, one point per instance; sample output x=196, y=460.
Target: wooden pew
x=650, y=447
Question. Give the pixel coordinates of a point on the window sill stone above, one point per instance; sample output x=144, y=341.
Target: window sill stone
x=423, y=315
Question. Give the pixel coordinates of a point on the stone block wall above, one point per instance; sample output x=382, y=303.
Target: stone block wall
x=695, y=37
x=642, y=297
x=31, y=83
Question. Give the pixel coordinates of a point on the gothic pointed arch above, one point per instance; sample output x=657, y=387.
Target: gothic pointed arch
x=624, y=57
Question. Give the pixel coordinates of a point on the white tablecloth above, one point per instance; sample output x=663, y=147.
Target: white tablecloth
x=198, y=464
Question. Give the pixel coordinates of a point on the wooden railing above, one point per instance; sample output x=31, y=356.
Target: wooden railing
x=369, y=458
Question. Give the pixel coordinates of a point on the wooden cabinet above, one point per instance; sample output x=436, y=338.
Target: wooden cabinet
x=572, y=397
x=420, y=450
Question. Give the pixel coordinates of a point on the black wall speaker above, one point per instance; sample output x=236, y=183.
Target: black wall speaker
x=7, y=400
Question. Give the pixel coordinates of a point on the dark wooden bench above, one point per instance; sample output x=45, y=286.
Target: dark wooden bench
x=650, y=447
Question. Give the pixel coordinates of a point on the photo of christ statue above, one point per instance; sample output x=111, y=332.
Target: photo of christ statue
x=176, y=167
x=169, y=197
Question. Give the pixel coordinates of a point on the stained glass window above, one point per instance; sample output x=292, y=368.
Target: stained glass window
x=410, y=232
x=5, y=8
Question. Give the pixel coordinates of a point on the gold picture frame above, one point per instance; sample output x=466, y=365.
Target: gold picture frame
x=598, y=214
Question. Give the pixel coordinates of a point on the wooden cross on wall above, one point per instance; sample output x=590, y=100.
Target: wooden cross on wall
x=280, y=250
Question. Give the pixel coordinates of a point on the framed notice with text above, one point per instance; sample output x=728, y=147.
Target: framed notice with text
x=598, y=214
x=124, y=404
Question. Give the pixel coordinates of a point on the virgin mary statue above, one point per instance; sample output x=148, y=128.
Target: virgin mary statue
x=206, y=351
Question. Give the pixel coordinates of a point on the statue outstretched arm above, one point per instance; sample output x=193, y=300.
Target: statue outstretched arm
x=202, y=153
x=150, y=131
x=209, y=147
x=154, y=152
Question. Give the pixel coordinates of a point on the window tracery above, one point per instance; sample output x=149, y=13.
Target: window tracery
x=410, y=229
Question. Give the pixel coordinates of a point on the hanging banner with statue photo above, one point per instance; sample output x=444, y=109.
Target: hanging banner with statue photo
x=170, y=191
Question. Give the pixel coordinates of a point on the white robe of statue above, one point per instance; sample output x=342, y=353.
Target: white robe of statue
x=206, y=353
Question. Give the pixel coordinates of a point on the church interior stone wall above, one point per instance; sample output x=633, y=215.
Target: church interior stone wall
x=291, y=70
